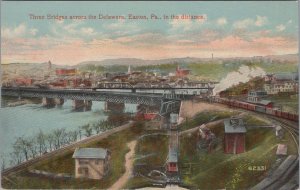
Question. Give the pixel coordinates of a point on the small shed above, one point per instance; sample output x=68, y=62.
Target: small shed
x=234, y=138
x=266, y=103
x=281, y=150
x=172, y=162
x=91, y=163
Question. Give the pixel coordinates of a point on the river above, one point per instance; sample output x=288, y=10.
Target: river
x=26, y=120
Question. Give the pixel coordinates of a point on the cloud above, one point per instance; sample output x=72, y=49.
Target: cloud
x=179, y=25
x=145, y=46
x=121, y=28
x=258, y=22
x=19, y=31
x=33, y=31
x=88, y=31
x=222, y=21
x=184, y=25
x=280, y=28
x=261, y=20
x=74, y=29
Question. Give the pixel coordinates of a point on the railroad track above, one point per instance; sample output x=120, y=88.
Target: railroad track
x=291, y=129
x=283, y=174
x=280, y=179
x=21, y=167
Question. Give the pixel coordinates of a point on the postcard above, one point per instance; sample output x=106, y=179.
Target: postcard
x=149, y=95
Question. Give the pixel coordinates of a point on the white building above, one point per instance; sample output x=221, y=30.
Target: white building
x=91, y=163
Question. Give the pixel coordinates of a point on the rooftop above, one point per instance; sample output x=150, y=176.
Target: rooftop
x=90, y=153
x=281, y=149
x=287, y=76
x=172, y=155
x=265, y=102
x=234, y=125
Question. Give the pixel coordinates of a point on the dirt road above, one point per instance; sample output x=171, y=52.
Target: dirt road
x=128, y=166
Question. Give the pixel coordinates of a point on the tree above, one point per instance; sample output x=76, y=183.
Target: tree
x=51, y=141
x=41, y=141
x=87, y=129
x=80, y=133
x=32, y=147
x=59, y=136
x=3, y=161
x=22, y=145
x=72, y=136
x=97, y=127
x=16, y=157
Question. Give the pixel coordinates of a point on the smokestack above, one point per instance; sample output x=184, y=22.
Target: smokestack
x=49, y=65
x=212, y=56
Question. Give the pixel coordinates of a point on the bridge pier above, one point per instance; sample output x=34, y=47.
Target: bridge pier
x=84, y=105
x=87, y=105
x=48, y=102
x=114, y=107
x=59, y=101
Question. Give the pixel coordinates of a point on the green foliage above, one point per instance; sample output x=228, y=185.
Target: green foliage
x=205, y=117
x=116, y=143
x=156, y=147
x=217, y=170
x=92, y=68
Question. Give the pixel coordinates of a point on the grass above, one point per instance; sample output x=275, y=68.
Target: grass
x=212, y=70
x=204, y=117
x=287, y=102
x=157, y=145
x=116, y=143
x=217, y=170
x=251, y=120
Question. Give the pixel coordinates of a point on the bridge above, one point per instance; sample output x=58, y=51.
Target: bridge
x=167, y=98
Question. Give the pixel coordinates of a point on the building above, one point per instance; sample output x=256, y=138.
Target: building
x=65, y=72
x=93, y=163
x=293, y=76
x=281, y=87
x=281, y=83
x=234, y=138
x=182, y=72
x=174, y=118
x=281, y=150
x=256, y=96
x=172, y=162
x=23, y=81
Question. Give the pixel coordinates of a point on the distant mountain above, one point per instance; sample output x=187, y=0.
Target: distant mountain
x=136, y=62
x=287, y=57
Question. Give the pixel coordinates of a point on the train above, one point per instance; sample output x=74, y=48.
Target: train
x=258, y=108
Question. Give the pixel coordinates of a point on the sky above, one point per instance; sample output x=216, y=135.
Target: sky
x=226, y=29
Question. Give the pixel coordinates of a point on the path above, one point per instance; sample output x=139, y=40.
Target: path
x=63, y=150
x=128, y=166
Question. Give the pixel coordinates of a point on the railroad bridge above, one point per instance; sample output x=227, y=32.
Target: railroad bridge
x=167, y=99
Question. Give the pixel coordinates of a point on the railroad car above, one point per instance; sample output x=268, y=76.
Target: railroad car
x=270, y=111
x=258, y=108
x=251, y=107
x=277, y=113
x=284, y=115
x=261, y=109
x=244, y=105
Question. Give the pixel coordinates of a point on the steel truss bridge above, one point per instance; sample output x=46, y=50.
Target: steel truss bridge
x=168, y=102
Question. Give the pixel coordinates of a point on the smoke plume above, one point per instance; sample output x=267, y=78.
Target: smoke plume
x=244, y=74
